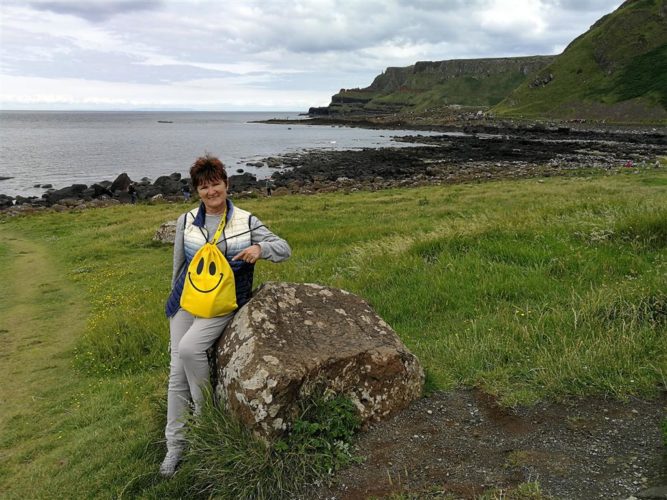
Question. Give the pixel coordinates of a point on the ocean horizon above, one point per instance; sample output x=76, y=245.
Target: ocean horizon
x=66, y=147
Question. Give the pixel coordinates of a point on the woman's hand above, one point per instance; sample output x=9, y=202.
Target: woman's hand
x=250, y=254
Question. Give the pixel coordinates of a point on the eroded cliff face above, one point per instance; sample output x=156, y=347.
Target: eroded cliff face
x=467, y=82
x=435, y=72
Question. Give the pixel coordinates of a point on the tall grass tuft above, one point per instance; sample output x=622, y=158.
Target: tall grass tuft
x=226, y=461
x=647, y=229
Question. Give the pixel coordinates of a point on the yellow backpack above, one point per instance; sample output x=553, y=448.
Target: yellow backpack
x=209, y=289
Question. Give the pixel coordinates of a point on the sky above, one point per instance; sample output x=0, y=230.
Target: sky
x=254, y=55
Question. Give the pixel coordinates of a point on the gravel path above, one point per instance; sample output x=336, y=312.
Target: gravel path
x=461, y=444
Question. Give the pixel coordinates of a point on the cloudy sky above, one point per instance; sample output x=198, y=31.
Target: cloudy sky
x=254, y=54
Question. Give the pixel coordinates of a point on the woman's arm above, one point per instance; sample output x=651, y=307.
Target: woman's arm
x=179, y=250
x=271, y=246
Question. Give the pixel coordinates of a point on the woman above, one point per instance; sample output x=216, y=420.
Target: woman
x=244, y=241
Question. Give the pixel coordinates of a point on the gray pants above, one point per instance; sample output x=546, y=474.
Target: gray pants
x=191, y=336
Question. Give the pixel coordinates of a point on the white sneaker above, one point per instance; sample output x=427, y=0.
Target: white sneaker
x=170, y=463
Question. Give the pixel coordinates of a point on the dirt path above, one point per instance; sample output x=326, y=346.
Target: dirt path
x=461, y=444
x=40, y=318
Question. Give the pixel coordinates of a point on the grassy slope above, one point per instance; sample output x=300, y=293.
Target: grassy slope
x=617, y=68
x=528, y=289
x=424, y=90
x=465, y=91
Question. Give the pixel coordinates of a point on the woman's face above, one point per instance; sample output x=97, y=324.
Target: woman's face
x=214, y=196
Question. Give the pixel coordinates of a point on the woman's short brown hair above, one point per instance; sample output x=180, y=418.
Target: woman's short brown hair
x=207, y=168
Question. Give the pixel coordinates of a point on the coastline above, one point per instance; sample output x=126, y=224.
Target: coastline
x=466, y=151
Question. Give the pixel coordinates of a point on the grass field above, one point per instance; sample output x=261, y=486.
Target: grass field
x=532, y=289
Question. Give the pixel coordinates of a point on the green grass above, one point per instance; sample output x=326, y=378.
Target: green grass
x=639, y=76
x=225, y=460
x=528, y=290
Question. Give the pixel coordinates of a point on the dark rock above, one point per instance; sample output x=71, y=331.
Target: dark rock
x=21, y=200
x=123, y=197
x=147, y=192
x=6, y=201
x=97, y=190
x=75, y=191
x=273, y=162
x=243, y=182
x=167, y=185
x=175, y=176
x=122, y=183
x=293, y=339
x=88, y=194
x=318, y=111
x=542, y=80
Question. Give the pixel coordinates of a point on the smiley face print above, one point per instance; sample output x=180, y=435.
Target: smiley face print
x=210, y=288
x=207, y=275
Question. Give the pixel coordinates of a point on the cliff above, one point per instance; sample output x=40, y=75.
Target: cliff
x=616, y=71
x=466, y=82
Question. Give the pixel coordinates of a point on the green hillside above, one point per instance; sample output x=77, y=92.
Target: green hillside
x=616, y=71
x=427, y=84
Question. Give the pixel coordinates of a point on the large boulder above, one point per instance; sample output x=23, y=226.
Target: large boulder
x=167, y=185
x=121, y=183
x=75, y=191
x=291, y=340
x=96, y=191
x=166, y=233
x=243, y=182
x=6, y=201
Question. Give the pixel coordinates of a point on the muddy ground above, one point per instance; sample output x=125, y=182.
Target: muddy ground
x=461, y=444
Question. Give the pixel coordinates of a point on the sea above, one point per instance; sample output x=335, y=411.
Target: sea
x=66, y=147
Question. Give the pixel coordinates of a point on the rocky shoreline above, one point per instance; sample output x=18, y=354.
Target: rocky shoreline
x=169, y=188
x=471, y=151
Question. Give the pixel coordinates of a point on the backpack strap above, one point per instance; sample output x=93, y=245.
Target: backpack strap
x=221, y=228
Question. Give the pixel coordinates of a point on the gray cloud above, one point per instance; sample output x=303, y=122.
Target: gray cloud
x=581, y=5
x=96, y=10
x=307, y=47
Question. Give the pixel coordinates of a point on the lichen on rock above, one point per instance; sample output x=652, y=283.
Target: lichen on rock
x=293, y=339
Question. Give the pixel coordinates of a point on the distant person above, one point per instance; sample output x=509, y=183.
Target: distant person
x=186, y=192
x=243, y=241
x=133, y=193
x=268, y=187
